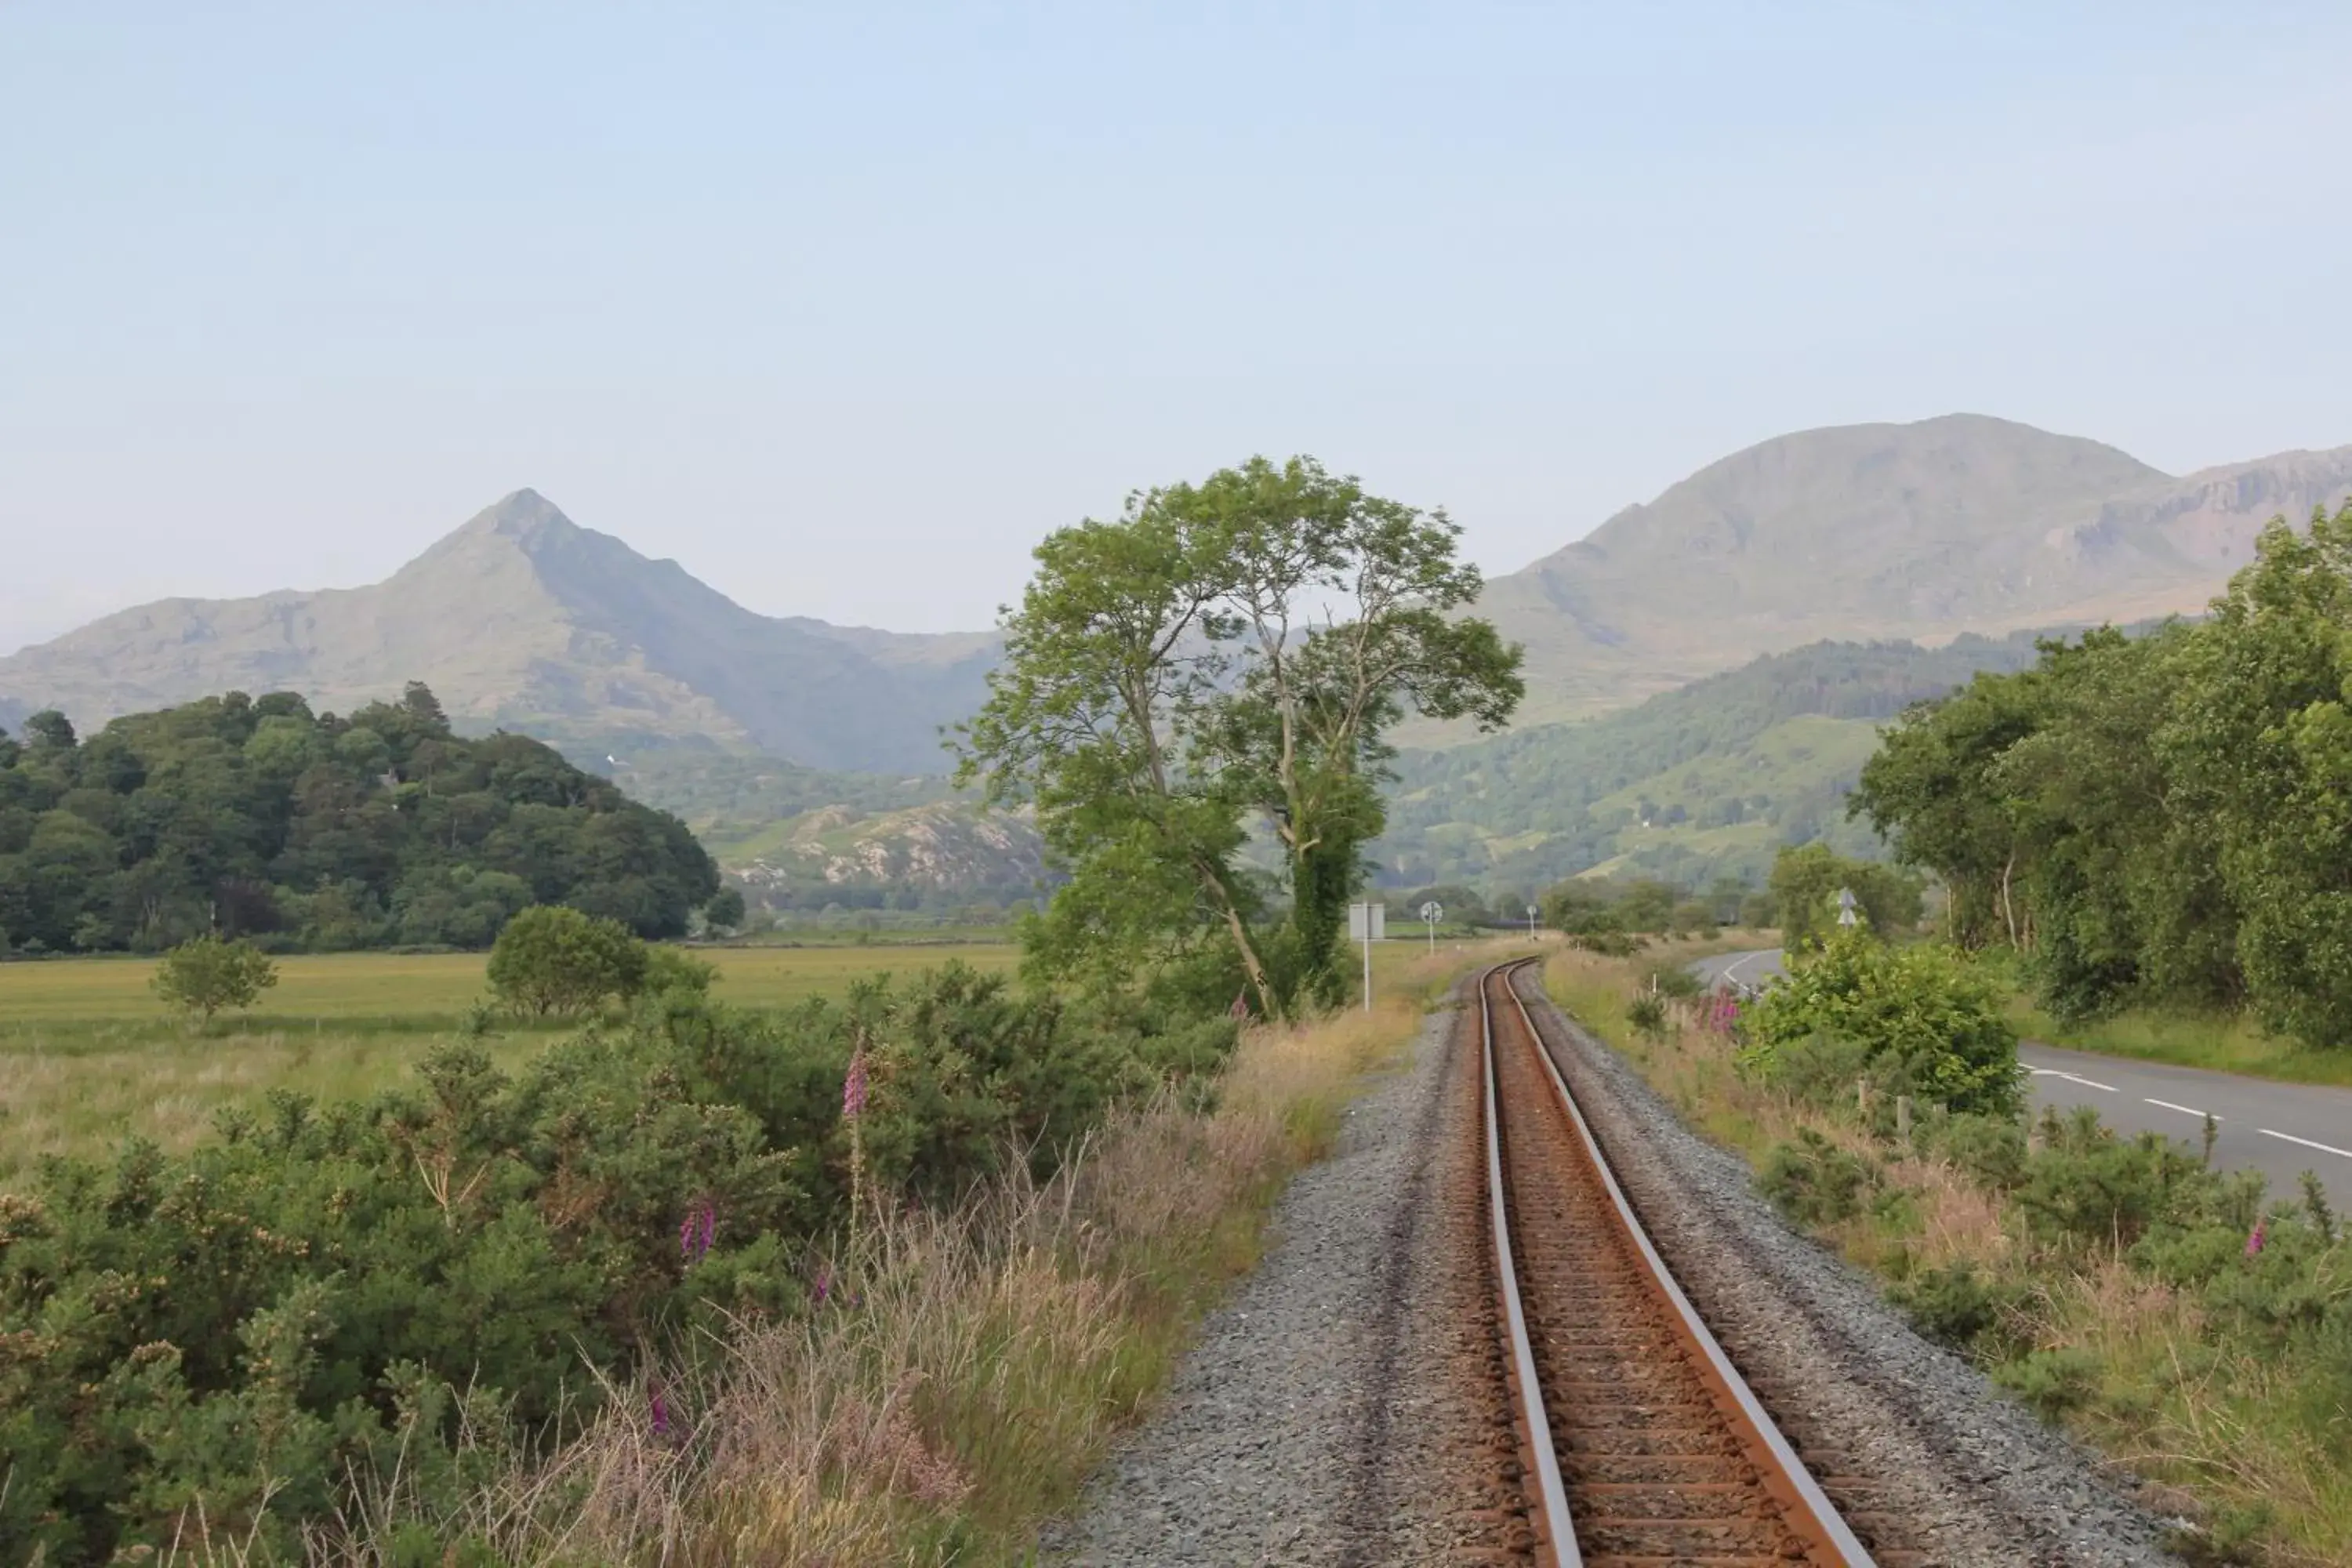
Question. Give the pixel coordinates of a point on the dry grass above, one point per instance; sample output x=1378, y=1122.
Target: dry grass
x=962, y=1372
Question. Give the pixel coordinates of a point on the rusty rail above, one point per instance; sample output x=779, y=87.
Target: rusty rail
x=1641, y=1440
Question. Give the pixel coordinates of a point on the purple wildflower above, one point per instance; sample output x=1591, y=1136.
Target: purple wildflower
x=823, y=1284
x=2254, y=1240
x=710, y=1229
x=853, y=1087
x=660, y=1406
x=686, y=1238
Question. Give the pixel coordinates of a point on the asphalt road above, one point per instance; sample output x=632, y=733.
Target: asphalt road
x=2279, y=1128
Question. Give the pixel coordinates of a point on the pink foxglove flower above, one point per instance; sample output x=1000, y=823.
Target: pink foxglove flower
x=853, y=1087
x=659, y=1407
x=2255, y=1240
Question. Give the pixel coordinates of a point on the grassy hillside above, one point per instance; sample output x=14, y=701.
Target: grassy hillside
x=1706, y=781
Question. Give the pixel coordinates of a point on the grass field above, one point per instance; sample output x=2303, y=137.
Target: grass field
x=89, y=1056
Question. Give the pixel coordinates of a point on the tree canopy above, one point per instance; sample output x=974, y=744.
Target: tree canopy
x=1227, y=657
x=253, y=816
x=2158, y=818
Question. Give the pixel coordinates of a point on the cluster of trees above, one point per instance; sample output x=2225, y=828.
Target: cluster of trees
x=1555, y=794
x=1226, y=656
x=257, y=818
x=2164, y=818
x=303, y=1302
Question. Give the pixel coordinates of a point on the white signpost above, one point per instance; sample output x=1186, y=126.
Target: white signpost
x=1368, y=923
x=1531, y=923
x=1432, y=912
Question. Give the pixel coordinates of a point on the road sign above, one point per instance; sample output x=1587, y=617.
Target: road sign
x=1532, y=912
x=1368, y=923
x=1432, y=912
x=1847, y=916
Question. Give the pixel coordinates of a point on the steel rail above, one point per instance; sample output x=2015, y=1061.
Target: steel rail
x=1551, y=1497
x=1810, y=1512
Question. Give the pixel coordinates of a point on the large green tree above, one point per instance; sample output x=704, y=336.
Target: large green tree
x=1225, y=655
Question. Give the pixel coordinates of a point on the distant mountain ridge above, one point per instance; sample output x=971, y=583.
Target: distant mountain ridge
x=1916, y=532
x=1920, y=531
x=524, y=620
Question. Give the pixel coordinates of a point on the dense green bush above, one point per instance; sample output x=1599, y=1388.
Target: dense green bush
x=1937, y=1030
x=1814, y=1181
x=555, y=960
x=300, y=1299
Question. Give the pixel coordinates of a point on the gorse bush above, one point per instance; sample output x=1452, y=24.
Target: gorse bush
x=290, y=1303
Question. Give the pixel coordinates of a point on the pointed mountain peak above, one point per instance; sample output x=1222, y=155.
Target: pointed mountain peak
x=524, y=514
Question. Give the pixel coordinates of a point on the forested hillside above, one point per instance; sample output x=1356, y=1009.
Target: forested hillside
x=258, y=817
x=804, y=840
x=1693, y=785
x=2165, y=820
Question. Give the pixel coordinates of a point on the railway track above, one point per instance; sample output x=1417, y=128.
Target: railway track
x=1640, y=1442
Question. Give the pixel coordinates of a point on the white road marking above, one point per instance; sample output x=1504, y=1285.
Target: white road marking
x=2184, y=1110
x=2070, y=1077
x=2291, y=1138
x=1731, y=971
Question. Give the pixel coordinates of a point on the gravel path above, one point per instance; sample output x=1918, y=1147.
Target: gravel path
x=1958, y=1473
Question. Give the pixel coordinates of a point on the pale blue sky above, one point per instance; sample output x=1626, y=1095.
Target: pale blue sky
x=843, y=306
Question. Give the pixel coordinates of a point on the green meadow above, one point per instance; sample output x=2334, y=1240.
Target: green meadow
x=88, y=1055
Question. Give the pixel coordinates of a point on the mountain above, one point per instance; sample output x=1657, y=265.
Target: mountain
x=1704, y=780
x=524, y=620
x=1866, y=532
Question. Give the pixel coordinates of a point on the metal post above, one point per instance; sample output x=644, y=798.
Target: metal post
x=1368, y=973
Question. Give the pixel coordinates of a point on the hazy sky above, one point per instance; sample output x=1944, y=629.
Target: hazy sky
x=843, y=306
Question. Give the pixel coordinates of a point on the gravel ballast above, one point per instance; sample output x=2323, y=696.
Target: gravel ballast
x=1343, y=1407
x=1346, y=1405
x=1966, y=1476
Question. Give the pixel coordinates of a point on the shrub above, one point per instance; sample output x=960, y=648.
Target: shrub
x=551, y=960
x=1990, y=1149
x=294, y=1302
x=2055, y=1383
x=1814, y=1181
x=1913, y=1011
x=1647, y=1013
x=1954, y=1305
x=1673, y=980
x=674, y=972
x=206, y=974
x=2087, y=1186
